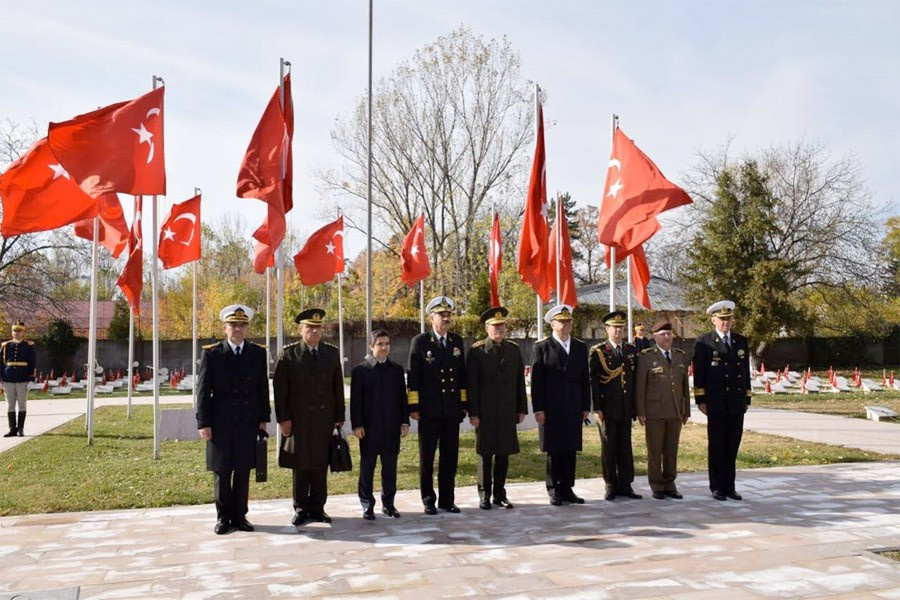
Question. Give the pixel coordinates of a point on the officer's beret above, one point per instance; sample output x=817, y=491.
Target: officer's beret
x=662, y=326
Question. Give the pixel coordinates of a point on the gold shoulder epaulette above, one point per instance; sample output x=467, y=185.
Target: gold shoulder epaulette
x=646, y=350
x=29, y=342
x=679, y=350
x=259, y=345
x=512, y=343
x=329, y=345
x=478, y=344
x=210, y=346
x=5, y=343
x=291, y=345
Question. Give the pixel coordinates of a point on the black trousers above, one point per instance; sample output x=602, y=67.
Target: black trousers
x=616, y=455
x=723, y=432
x=492, y=470
x=367, y=475
x=434, y=435
x=310, y=489
x=232, y=490
x=560, y=473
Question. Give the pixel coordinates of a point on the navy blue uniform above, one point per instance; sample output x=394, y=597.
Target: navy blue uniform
x=18, y=361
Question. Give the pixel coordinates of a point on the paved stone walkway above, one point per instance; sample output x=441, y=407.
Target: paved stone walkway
x=800, y=532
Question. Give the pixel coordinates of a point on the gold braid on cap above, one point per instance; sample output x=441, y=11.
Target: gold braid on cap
x=610, y=373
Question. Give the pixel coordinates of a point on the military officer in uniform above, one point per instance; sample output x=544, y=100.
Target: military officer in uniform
x=232, y=410
x=662, y=401
x=18, y=364
x=309, y=404
x=561, y=400
x=640, y=340
x=497, y=403
x=722, y=393
x=437, y=400
x=612, y=366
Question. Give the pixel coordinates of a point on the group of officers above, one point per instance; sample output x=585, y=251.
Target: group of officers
x=618, y=381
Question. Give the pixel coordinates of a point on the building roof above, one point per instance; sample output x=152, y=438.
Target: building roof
x=664, y=295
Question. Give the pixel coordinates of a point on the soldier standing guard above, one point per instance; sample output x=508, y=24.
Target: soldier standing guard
x=18, y=365
x=612, y=367
x=722, y=392
x=232, y=410
x=497, y=403
x=437, y=400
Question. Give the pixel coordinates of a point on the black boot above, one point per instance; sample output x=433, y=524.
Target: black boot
x=12, y=424
x=21, y=428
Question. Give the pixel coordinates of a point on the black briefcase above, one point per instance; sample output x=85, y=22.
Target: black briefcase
x=339, y=455
x=262, y=457
x=286, y=452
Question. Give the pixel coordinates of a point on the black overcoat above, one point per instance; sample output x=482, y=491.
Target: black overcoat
x=722, y=376
x=378, y=404
x=232, y=399
x=496, y=391
x=561, y=389
x=612, y=380
x=310, y=394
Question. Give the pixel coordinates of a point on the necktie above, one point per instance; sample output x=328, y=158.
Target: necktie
x=619, y=351
x=444, y=342
x=315, y=353
x=727, y=339
x=237, y=350
x=668, y=357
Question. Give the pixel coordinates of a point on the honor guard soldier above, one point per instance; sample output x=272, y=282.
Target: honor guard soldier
x=232, y=411
x=561, y=400
x=612, y=366
x=722, y=393
x=309, y=404
x=662, y=401
x=18, y=365
x=497, y=403
x=437, y=400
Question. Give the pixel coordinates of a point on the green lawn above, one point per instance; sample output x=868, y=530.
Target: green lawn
x=119, y=393
x=845, y=404
x=59, y=472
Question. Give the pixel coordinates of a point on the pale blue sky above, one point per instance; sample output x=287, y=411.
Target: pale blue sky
x=682, y=75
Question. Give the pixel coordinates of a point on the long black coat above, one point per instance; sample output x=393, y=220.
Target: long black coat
x=437, y=378
x=378, y=403
x=612, y=380
x=561, y=389
x=496, y=391
x=310, y=394
x=722, y=376
x=233, y=399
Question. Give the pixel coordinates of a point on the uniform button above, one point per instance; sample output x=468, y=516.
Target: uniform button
x=442, y=381
x=451, y=379
x=443, y=391
x=322, y=407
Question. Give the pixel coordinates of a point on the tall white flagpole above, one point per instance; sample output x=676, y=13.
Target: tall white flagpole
x=369, y=195
x=92, y=336
x=538, y=303
x=612, y=249
x=559, y=215
x=341, y=320
x=194, y=336
x=628, y=296
x=268, y=314
x=155, y=292
x=131, y=338
x=421, y=306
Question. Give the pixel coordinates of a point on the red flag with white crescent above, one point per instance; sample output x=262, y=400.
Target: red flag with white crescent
x=179, y=238
x=413, y=257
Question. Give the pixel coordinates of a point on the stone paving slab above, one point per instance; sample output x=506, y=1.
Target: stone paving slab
x=801, y=532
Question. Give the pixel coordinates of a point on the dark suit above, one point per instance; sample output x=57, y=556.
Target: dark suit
x=722, y=384
x=561, y=390
x=232, y=399
x=309, y=392
x=662, y=396
x=612, y=388
x=378, y=404
x=437, y=391
x=496, y=391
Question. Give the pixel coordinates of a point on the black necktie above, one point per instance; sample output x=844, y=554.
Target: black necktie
x=444, y=342
x=668, y=358
x=315, y=353
x=619, y=351
x=727, y=340
x=237, y=350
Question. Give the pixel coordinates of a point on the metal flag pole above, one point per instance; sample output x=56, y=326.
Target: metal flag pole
x=341, y=321
x=194, y=344
x=155, y=291
x=628, y=289
x=422, y=306
x=559, y=213
x=612, y=249
x=369, y=196
x=131, y=341
x=268, y=314
x=279, y=252
x=92, y=336
x=538, y=303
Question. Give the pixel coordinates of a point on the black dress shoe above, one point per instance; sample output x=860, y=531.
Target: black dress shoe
x=734, y=495
x=571, y=497
x=673, y=494
x=319, y=517
x=630, y=493
x=369, y=514
x=485, y=504
x=221, y=527
x=451, y=509
x=300, y=517
x=242, y=524
x=430, y=509
x=503, y=502
x=555, y=501
x=610, y=495
x=659, y=495
x=718, y=495
x=391, y=511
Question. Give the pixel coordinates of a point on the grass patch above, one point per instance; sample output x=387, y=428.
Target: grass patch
x=891, y=554
x=59, y=472
x=119, y=393
x=845, y=404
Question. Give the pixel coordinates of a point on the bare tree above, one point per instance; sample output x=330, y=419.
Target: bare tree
x=592, y=251
x=451, y=128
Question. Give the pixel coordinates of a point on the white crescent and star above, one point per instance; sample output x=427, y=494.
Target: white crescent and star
x=59, y=171
x=415, y=247
x=329, y=247
x=615, y=187
x=146, y=136
x=193, y=219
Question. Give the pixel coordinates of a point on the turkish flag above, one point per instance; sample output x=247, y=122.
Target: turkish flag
x=118, y=148
x=533, y=239
x=131, y=281
x=322, y=257
x=640, y=277
x=635, y=193
x=642, y=231
x=495, y=260
x=179, y=238
x=114, y=231
x=266, y=173
x=567, y=294
x=413, y=256
x=38, y=194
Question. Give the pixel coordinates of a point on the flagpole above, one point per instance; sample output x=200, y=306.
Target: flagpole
x=155, y=284
x=92, y=336
x=538, y=303
x=628, y=296
x=341, y=320
x=612, y=249
x=369, y=196
x=559, y=213
x=131, y=336
x=268, y=314
x=194, y=348
x=279, y=252
x=422, y=306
